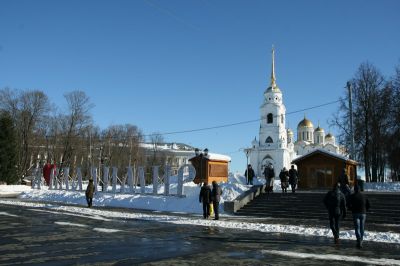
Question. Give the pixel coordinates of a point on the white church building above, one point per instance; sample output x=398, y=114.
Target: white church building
x=275, y=144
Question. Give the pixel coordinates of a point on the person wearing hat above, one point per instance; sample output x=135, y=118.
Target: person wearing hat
x=89, y=193
x=249, y=174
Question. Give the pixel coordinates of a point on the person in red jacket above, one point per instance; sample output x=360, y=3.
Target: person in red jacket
x=46, y=172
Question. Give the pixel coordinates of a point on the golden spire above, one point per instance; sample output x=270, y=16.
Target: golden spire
x=273, y=80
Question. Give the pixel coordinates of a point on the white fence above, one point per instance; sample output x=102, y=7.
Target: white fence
x=131, y=183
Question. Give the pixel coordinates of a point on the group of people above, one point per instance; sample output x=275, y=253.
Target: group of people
x=338, y=200
x=287, y=178
x=210, y=197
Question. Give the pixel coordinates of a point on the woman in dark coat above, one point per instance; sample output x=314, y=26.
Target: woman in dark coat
x=205, y=198
x=284, y=177
x=216, y=197
x=89, y=193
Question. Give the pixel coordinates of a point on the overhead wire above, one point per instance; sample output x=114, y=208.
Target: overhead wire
x=237, y=123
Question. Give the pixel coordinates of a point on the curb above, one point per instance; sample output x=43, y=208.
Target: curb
x=240, y=201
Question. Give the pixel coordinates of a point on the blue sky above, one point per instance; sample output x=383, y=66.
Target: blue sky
x=180, y=65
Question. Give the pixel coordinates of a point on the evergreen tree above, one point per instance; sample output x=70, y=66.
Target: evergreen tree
x=8, y=152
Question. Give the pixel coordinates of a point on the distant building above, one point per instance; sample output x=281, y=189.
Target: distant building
x=173, y=154
x=276, y=144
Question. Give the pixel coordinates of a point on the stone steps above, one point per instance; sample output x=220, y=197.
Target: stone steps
x=309, y=205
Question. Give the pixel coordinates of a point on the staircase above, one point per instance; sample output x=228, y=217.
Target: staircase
x=385, y=207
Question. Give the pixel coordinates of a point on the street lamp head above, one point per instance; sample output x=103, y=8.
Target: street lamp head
x=205, y=152
x=196, y=152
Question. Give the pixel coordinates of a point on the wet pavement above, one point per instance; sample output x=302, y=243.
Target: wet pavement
x=39, y=236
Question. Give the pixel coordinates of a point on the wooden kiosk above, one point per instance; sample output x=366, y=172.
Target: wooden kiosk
x=321, y=169
x=210, y=167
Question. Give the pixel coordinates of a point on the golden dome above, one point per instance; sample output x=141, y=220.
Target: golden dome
x=305, y=123
x=329, y=136
x=319, y=129
x=289, y=131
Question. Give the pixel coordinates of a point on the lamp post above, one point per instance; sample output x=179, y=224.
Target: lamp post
x=247, y=152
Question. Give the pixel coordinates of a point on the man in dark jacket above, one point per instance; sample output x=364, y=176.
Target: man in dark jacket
x=293, y=178
x=205, y=198
x=335, y=202
x=216, y=198
x=249, y=174
x=89, y=193
x=359, y=205
x=269, y=175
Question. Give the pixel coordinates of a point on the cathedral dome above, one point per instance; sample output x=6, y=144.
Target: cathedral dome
x=319, y=129
x=289, y=132
x=273, y=88
x=329, y=136
x=305, y=123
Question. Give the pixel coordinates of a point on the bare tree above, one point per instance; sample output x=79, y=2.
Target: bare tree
x=121, y=145
x=393, y=143
x=371, y=98
x=74, y=123
x=29, y=109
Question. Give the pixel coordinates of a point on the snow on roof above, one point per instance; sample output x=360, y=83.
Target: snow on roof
x=338, y=156
x=216, y=157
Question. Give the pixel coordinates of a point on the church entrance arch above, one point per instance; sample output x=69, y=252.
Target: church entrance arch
x=267, y=160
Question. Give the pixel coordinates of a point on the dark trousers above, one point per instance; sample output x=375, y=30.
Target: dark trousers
x=216, y=209
x=89, y=201
x=206, y=210
x=334, y=224
x=293, y=185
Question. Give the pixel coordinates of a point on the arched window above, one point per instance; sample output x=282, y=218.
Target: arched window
x=269, y=118
x=269, y=140
x=281, y=119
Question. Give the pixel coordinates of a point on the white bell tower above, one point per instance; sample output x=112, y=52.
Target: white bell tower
x=272, y=145
x=272, y=128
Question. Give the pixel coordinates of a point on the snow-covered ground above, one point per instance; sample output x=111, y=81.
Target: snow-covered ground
x=188, y=204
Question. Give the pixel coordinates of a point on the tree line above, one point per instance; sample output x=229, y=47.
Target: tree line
x=376, y=126
x=33, y=131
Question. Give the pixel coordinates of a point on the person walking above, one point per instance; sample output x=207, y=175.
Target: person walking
x=284, y=177
x=269, y=175
x=293, y=178
x=344, y=178
x=205, y=198
x=89, y=193
x=249, y=174
x=335, y=203
x=216, y=198
x=359, y=205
